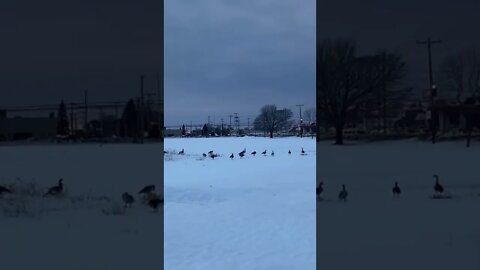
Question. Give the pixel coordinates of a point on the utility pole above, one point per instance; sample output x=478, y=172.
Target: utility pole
x=222, y=127
x=301, y=128
x=431, y=87
x=237, y=122
x=159, y=108
x=230, y=120
x=71, y=119
x=86, y=110
x=142, y=124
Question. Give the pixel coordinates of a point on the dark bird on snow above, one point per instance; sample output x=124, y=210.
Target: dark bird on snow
x=343, y=194
x=254, y=153
x=241, y=154
x=303, y=152
x=55, y=190
x=272, y=154
x=244, y=150
x=210, y=152
x=155, y=202
x=204, y=155
x=165, y=152
x=4, y=190
x=264, y=152
x=438, y=188
x=289, y=152
x=319, y=188
x=231, y=156
x=147, y=189
x=181, y=152
x=128, y=199
x=396, y=190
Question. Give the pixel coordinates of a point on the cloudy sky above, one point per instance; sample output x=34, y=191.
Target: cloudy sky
x=55, y=49
x=224, y=57
x=396, y=25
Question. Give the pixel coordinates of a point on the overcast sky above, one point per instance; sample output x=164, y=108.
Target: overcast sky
x=55, y=49
x=396, y=25
x=224, y=57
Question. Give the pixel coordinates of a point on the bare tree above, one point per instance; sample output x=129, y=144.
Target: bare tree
x=310, y=115
x=271, y=119
x=460, y=73
x=346, y=82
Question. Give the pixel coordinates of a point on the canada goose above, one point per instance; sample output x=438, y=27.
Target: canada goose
x=128, y=199
x=241, y=154
x=303, y=152
x=438, y=188
x=181, y=152
x=154, y=203
x=272, y=153
x=396, y=190
x=244, y=150
x=289, y=152
x=254, y=153
x=147, y=189
x=204, y=155
x=55, y=190
x=210, y=152
x=264, y=152
x=4, y=189
x=343, y=194
x=319, y=189
x=232, y=156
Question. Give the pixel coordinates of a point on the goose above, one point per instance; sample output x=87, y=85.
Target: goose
x=272, y=153
x=241, y=154
x=342, y=196
x=4, y=190
x=264, y=152
x=303, y=152
x=55, y=190
x=254, y=153
x=319, y=189
x=289, y=152
x=181, y=152
x=396, y=190
x=204, y=155
x=438, y=188
x=128, y=199
x=231, y=156
x=147, y=189
x=154, y=203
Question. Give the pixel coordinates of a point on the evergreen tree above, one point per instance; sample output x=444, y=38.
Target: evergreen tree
x=130, y=119
x=62, y=120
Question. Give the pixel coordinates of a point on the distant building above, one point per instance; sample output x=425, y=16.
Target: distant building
x=20, y=128
x=173, y=132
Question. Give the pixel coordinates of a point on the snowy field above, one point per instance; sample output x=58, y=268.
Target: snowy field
x=87, y=228
x=255, y=212
x=374, y=231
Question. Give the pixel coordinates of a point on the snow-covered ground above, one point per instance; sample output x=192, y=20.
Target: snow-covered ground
x=373, y=230
x=255, y=212
x=86, y=229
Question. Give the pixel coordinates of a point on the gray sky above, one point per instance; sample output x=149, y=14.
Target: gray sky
x=224, y=57
x=396, y=25
x=56, y=49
